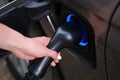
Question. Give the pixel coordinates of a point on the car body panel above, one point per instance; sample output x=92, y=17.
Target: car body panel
x=98, y=12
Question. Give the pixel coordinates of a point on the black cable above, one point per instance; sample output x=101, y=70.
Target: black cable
x=106, y=38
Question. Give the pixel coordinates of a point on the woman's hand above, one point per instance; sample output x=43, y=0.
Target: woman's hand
x=35, y=48
x=44, y=41
x=24, y=47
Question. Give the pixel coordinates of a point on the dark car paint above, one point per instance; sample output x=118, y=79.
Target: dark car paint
x=98, y=12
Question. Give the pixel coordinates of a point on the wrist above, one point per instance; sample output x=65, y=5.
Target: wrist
x=20, y=44
x=11, y=39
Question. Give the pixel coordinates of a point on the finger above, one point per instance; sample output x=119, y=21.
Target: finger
x=43, y=40
x=46, y=52
x=39, y=50
x=53, y=64
x=52, y=54
x=59, y=57
x=56, y=61
x=28, y=57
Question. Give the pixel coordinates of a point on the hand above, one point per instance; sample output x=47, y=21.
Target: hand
x=36, y=48
x=24, y=47
x=44, y=42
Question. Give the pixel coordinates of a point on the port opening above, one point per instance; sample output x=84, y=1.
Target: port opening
x=72, y=18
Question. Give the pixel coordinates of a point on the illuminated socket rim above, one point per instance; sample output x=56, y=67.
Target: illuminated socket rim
x=84, y=41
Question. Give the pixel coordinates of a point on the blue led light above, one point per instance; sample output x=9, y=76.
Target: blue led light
x=83, y=41
x=68, y=19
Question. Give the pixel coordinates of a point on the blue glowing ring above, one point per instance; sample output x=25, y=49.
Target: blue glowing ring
x=83, y=41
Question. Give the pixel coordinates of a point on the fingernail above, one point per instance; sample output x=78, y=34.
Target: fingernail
x=59, y=57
